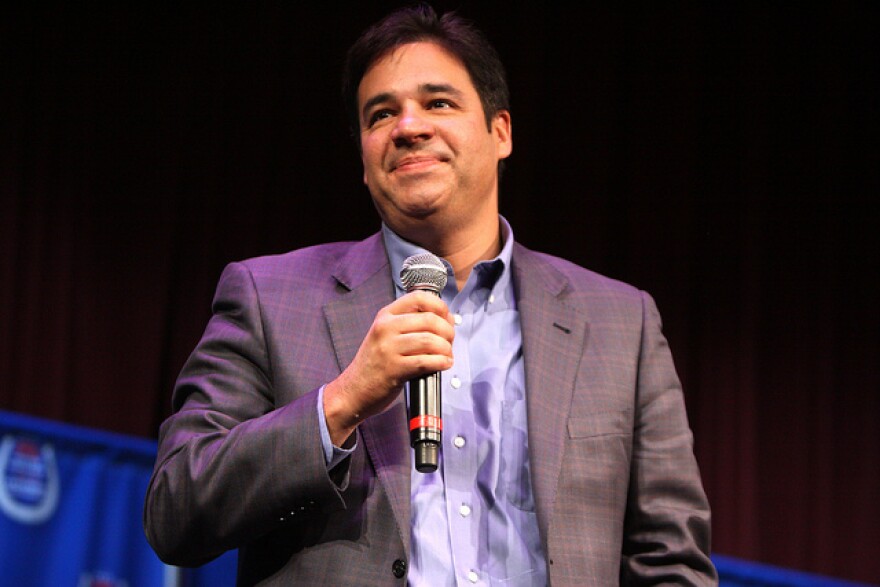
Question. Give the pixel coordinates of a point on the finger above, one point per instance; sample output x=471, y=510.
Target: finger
x=422, y=343
x=388, y=326
x=420, y=301
x=416, y=365
x=424, y=322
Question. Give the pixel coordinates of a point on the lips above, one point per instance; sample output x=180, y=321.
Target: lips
x=416, y=162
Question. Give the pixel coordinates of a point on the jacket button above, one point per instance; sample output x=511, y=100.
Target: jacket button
x=399, y=568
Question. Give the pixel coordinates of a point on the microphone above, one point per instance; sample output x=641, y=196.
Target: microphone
x=424, y=272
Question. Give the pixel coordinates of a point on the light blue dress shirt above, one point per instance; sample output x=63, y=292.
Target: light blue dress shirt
x=473, y=520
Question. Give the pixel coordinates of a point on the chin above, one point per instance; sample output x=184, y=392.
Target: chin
x=420, y=212
x=416, y=205
x=421, y=206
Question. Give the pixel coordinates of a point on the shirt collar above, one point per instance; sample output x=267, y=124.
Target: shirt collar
x=491, y=272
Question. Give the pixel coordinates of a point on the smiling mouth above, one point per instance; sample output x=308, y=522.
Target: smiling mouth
x=415, y=163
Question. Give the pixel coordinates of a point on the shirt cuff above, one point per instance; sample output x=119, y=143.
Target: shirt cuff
x=333, y=455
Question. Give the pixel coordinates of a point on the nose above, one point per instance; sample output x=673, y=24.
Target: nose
x=412, y=126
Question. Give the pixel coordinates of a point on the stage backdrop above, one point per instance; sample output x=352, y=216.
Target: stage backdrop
x=722, y=157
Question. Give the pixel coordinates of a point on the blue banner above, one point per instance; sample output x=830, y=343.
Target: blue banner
x=71, y=503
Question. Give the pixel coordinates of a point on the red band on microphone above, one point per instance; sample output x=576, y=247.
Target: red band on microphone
x=426, y=421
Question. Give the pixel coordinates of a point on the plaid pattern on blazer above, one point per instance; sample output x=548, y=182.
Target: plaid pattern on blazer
x=240, y=464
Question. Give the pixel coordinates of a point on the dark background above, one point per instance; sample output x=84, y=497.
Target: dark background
x=724, y=159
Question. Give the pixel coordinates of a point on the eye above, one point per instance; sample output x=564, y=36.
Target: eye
x=377, y=116
x=440, y=103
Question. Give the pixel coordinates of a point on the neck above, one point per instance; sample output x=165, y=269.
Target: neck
x=464, y=255
x=462, y=248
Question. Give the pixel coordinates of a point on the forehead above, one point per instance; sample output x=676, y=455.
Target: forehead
x=414, y=65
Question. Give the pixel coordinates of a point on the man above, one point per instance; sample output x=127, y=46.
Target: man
x=566, y=456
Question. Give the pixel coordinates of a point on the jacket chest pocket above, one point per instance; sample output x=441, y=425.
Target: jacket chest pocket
x=605, y=423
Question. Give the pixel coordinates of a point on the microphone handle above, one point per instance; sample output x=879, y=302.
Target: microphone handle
x=425, y=422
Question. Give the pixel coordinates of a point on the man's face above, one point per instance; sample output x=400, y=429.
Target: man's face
x=427, y=152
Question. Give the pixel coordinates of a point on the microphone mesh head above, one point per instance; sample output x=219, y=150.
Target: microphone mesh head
x=424, y=271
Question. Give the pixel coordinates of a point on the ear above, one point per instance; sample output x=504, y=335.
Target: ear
x=503, y=133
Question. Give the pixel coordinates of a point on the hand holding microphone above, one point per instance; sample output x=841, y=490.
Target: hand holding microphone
x=410, y=337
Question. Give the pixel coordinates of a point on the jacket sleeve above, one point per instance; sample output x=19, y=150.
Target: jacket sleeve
x=667, y=525
x=232, y=465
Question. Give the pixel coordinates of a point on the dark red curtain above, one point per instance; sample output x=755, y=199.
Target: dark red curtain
x=725, y=159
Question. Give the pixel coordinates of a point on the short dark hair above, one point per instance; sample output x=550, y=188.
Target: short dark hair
x=420, y=23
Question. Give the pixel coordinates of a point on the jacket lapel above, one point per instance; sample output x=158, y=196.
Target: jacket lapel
x=365, y=279
x=554, y=335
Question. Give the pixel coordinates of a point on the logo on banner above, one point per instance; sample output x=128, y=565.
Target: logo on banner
x=29, y=487
x=100, y=580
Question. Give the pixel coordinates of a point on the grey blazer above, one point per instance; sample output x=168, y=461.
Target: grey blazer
x=240, y=465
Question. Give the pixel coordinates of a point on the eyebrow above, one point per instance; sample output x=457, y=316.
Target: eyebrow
x=422, y=89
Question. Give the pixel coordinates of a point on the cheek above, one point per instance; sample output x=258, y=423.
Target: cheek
x=475, y=139
x=371, y=153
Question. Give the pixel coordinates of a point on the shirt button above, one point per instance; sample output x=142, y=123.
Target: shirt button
x=399, y=568
x=464, y=510
x=473, y=577
x=456, y=382
x=459, y=441
x=491, y=298
x=458, y=319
